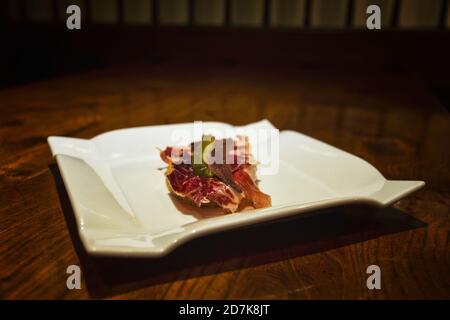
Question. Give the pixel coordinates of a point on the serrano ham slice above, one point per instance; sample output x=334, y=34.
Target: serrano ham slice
x=226, y=183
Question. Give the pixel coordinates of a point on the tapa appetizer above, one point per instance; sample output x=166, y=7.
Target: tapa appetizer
x=215, y=173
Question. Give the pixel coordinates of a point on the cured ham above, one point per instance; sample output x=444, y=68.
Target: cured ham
x=214, y=172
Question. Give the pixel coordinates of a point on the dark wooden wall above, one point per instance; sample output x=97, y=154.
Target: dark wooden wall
x=298, y=33
x=295, y=14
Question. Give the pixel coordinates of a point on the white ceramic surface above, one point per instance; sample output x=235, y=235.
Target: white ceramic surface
x=122, y=206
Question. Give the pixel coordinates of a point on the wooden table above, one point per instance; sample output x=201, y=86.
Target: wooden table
x=386, y=117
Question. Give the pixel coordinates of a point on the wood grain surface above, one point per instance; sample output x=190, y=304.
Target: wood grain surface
x=386, y=117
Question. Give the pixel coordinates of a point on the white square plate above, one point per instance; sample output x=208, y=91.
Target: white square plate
x=123, y=208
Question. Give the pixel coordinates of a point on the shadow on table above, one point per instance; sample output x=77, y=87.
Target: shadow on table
x=241, y=248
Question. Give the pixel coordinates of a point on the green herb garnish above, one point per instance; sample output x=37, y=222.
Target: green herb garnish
x=202, y=169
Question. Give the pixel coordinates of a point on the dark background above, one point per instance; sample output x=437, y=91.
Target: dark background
x=304, y=34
